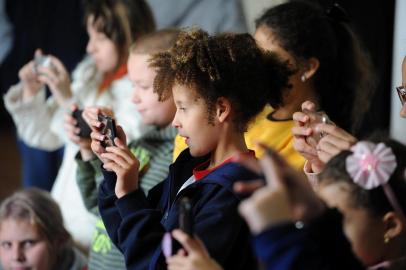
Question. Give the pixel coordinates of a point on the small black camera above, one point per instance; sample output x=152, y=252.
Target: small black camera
x=108, y=129
x=85, y=130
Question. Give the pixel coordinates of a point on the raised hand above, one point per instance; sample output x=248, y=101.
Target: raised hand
x=29, y=79
x=287, y=196
x=57, y=78
x=300, y=132
x=91, y=116
x=120, y=160
x=333, y=142
x=193, y=256
x=73, y=131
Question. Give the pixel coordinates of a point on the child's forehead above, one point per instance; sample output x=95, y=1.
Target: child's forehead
x=138, y=65
x=142, y=57
x=185, y=92
x=25, y=226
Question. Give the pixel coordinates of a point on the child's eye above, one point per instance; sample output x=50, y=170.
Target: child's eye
x=144, y=88
x=6, y=245
x=29, y=243
x=182, y=109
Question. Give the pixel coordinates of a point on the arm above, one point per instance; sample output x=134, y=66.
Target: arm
x=33, y=116
x=87, y=175
x=321, y=244
x=132, y=222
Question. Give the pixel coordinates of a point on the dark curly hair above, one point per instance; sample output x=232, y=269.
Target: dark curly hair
x=344, y=81
x=227, y=65
x=122, y=21
x=374, y=200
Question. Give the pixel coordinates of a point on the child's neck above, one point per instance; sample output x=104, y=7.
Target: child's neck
x=230, y=144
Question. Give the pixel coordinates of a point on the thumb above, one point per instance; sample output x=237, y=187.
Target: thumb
x=73, y=107
x=38, y=52
x=122, y=138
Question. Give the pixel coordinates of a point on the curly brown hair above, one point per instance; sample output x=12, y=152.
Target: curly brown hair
x=226, y=65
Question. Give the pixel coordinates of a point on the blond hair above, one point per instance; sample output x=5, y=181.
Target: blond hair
x=158, y=41
x=40, y=209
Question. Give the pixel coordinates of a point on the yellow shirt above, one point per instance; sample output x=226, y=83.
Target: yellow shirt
x=275, y=134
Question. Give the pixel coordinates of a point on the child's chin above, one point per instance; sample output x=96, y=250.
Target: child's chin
x=196, y=153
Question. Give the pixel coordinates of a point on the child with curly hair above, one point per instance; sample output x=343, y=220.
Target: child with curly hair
x=218, y=83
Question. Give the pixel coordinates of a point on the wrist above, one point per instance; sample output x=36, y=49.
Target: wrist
x=121, y=192
x=29, y=92
x=86, y=154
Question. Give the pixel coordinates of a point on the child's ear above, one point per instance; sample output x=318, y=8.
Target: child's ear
x=393, y=225
x=223, y=109
x=312, y=66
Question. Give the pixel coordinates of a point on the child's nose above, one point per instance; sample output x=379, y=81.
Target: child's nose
x=90, y=48
x=18, y=253
x=135, y=98
x=175, y=122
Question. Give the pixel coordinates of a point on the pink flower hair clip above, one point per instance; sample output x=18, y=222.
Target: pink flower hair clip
x=370, y=166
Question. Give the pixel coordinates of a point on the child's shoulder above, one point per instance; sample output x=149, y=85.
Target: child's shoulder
x=228, y=174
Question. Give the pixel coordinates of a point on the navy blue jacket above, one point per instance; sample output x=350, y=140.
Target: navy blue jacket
x=320, y=245
x=136, y=223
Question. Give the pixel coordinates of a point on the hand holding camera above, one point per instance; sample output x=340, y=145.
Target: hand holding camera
x=300, y=132
x=315, y=118
x=109, y=144
x=29, y=78
x=78, y=132
x=291, y=196
x=334, y=141
x=49, y=70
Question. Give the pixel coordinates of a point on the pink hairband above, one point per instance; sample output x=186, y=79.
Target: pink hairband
x=371, y=166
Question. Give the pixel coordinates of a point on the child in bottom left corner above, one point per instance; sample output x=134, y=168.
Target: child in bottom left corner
x=32, y=234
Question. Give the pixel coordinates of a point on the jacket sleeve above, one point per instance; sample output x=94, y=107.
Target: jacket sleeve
x=33, y=118
x=211, y=222
x=320, y=245
x=87, y=175
x=132, y=222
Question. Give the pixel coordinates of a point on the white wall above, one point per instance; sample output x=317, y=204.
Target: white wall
x=397, y=124
x=254, y=8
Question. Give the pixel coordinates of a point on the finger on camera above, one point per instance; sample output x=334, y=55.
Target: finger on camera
x=71, y=128
x=300, y=117
x=96, y=147
x=123, y=153
x=70, y=119
x=117, y=159
x=301, y=131
x=97, y=136
x=57, y=64
x=121, y=135
x=335, y=131
x=332, y=148
x=301, y=146
x=309, y=105
x=325, y=156
x=336, y=142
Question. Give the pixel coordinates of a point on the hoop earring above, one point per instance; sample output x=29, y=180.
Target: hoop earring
x=303, y=78
x=386, y=238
